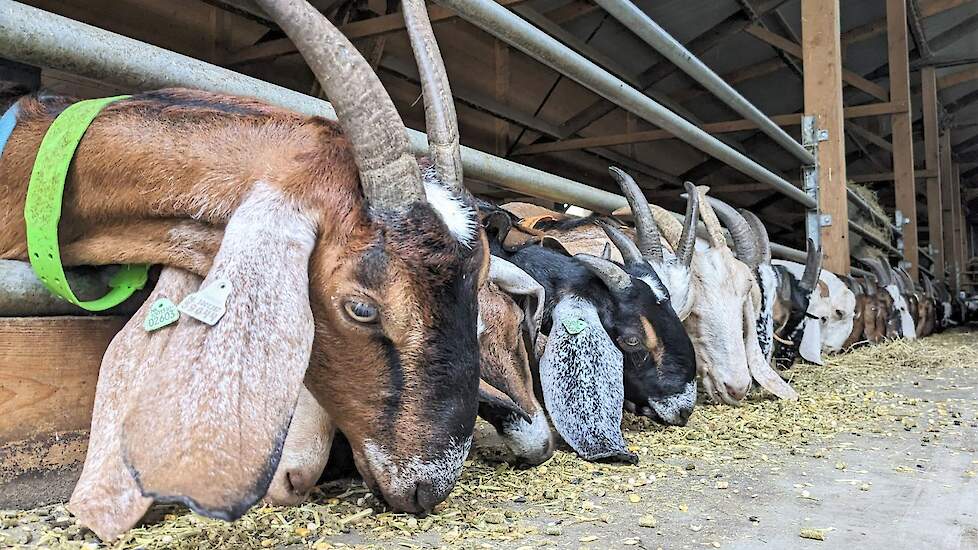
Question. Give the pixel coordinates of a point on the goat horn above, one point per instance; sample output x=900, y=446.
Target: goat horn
x=646, y=231
x=743, y=239
x=389, y=173
x=687, y=241
x=610, y=273
x=877, y=267
x=713, y=229
x=606, y=251
x=629, y=251
x=813, y=267
x=760, y=235
x=439, y=107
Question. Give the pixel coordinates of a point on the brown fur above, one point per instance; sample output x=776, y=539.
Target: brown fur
x=160, y=166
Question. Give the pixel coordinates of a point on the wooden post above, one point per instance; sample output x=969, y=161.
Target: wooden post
x=905, y=186
x=947, y=191
x=956, y=212
x=822, y=61
x=221, y=32
x=935, y=218
x=500, y=94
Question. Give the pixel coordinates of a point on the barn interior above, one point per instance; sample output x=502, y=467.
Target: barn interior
x=883, y=94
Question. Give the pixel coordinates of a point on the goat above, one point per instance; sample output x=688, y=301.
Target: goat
x=659, y=372
x=830, y=312
x=792, y=298
x=344, y=255
x=507, y=399
x=900, y=309
x=867, y=327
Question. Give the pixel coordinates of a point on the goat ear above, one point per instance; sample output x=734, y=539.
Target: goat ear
x=514, y=281
x=810, y=348
x=106, y=498
x=495, y=398
x=758, y=365
x=581, y=377
x=207, y=422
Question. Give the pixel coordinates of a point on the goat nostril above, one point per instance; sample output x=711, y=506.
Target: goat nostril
x=298, y=482
x=425, y=497
x=735, y=392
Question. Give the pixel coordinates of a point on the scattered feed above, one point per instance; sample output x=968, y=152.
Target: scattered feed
x=566, y=501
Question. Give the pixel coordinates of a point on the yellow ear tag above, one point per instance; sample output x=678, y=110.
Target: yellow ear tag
x=209, y=304
x=574, y=326
x=163, y=312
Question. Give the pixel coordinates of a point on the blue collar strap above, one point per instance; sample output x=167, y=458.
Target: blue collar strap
x=7, y=124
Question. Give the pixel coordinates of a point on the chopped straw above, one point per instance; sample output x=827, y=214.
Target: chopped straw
x=495, y=504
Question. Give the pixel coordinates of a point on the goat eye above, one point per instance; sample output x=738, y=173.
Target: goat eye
x=629, y=341
x=361, y=312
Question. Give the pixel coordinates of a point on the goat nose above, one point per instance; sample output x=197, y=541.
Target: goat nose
x=684, y=415
x=736, y=392
x=301, y=481
x=426, y=497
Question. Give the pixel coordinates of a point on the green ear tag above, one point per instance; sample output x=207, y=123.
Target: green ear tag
x=163, y=312
x=573, y=325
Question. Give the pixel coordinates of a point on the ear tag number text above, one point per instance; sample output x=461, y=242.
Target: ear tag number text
x=573, y=325
x=208, y=305
x=162, y=313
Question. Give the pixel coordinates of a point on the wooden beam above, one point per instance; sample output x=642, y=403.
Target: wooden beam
x=875, y=139
x=822, y=63
x=947, y=210
x=727, y=126
x=958, y=77
x=956, y=212
x=358, y=29
x=928, y=8
x=904, y=183
x=932, y=156
x=888, y=176
x=788, y=46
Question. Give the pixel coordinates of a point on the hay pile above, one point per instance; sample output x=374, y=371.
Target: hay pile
x=493, y=503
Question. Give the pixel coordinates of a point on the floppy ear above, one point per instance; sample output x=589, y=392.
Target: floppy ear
x=514, y=281
x=758, y=365
x=106, y=498
x=207, y=423
x=810, y=348
x=581, y=377
x=496, y=399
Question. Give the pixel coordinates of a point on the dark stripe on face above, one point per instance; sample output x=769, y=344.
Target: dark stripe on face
x=395, y=388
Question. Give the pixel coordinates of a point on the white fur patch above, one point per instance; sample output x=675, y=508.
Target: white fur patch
x=460, y=219
x=529, y=440
x=906, y=321
x=440, y=472
x=671, y=408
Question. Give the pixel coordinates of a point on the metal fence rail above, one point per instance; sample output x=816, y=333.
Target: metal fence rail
x=510, y=28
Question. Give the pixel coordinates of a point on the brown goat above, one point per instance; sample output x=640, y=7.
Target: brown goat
x=342, y=259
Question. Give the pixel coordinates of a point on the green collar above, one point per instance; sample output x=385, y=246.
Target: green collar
x=42, y=210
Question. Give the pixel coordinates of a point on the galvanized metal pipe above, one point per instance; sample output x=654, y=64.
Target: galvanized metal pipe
x=861, y=203
x=37, y=37
x=510, y=28
x=629, y=15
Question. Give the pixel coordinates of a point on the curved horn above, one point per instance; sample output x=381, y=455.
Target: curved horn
x=713, y=228
x=813, y=267
x=882, y=274
x=610, y=273
x=760, y=235
x=439, y=107
x=389, y=173
x=629, y=251
x=743, y=239
x=606, y=251
x=687, y=241
x=646, y=231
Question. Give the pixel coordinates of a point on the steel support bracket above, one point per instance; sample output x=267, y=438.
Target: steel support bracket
x=810, y=136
